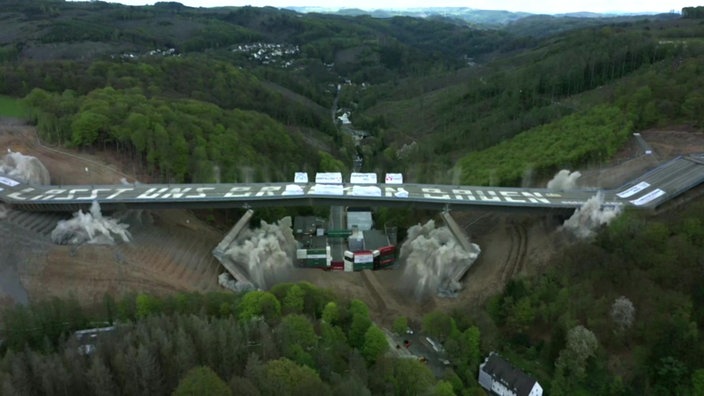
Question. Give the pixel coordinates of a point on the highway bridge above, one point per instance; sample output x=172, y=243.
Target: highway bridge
x=647, y=191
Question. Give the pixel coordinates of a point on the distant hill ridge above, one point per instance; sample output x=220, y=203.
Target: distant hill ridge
x=467, y=14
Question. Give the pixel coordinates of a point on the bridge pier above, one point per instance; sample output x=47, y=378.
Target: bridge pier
x=464, y=241
x=223, y=246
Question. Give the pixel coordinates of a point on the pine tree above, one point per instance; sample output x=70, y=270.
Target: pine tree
x=100, y=379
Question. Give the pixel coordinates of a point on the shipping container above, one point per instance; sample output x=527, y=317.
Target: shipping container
x=338, y=233
x=315, y=263
x=363, y=256
x=385, y=258
x=314, y=257
x=363, y=260
x=363, y=266
x=349, y=261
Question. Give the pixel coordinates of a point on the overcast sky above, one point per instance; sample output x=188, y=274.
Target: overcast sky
x=533, y=6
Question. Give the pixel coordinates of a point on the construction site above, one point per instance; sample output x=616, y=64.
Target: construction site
x=347, y=242
x=174, y=250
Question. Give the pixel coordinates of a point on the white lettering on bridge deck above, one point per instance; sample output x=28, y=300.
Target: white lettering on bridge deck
x=245, y=192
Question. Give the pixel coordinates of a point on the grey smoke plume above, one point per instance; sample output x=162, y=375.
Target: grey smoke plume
x=90, y=227
x=592, y=215
x=564, y=180
x=431, y=257
x=3, y=211
x=266, y=252
x=24, y=168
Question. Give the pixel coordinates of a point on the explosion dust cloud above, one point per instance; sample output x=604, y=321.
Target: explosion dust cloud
x=24, y=168
x=265, y=252
x=564, y=180
x=592, y=215
x=431, y=257
x=91, y=227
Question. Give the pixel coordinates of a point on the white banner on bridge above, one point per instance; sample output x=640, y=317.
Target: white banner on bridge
x=8, y=182
x=633, y=190
x=300, y=177
x=649, y=197
x=363, y=178
x=328, y=178
x=393, y=178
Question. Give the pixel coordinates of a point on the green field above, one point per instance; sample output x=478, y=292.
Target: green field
x=12, y=107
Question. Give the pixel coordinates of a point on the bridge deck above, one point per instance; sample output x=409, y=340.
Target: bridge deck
x=649, y=191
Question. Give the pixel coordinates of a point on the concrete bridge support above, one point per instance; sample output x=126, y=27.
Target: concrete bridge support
x=220, y=250
x=464, y=241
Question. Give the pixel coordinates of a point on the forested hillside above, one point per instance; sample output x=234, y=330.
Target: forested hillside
x=293, y=340
x=252, y=94
x=427, y=91
x=271, y=62
x=649, y=70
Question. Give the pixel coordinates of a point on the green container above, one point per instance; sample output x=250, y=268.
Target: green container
x=338, y=233
x=362, y=266
x=315, y=263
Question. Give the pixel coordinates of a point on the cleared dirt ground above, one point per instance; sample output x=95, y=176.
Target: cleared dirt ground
x=171, y=250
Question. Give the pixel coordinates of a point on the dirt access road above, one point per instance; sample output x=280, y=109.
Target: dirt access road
x=171, y=250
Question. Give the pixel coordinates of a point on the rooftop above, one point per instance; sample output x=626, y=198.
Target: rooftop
x=501, y=370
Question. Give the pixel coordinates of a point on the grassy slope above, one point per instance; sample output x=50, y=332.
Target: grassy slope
x=11, y=107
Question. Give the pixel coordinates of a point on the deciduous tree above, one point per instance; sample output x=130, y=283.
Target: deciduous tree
x=201, y=381
x=623, y=313
x=259, y=303
x=375, y=344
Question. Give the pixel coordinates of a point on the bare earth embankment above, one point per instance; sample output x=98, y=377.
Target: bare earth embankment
x=170, y=250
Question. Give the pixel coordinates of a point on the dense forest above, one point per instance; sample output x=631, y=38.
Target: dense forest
x=649, y=70
x=252, y=94
x=292, y=340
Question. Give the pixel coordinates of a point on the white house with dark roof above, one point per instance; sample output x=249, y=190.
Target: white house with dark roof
x=499, y=377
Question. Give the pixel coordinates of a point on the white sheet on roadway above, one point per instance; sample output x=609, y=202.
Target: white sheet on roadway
x=327, y=189
x=649, y=197
x=293, y=189
x=366, y=191
x=401, y=193
x=634, y=190
x=8, y=182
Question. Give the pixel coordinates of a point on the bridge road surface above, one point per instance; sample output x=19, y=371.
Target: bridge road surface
x=647, y=191
x=337, y=223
